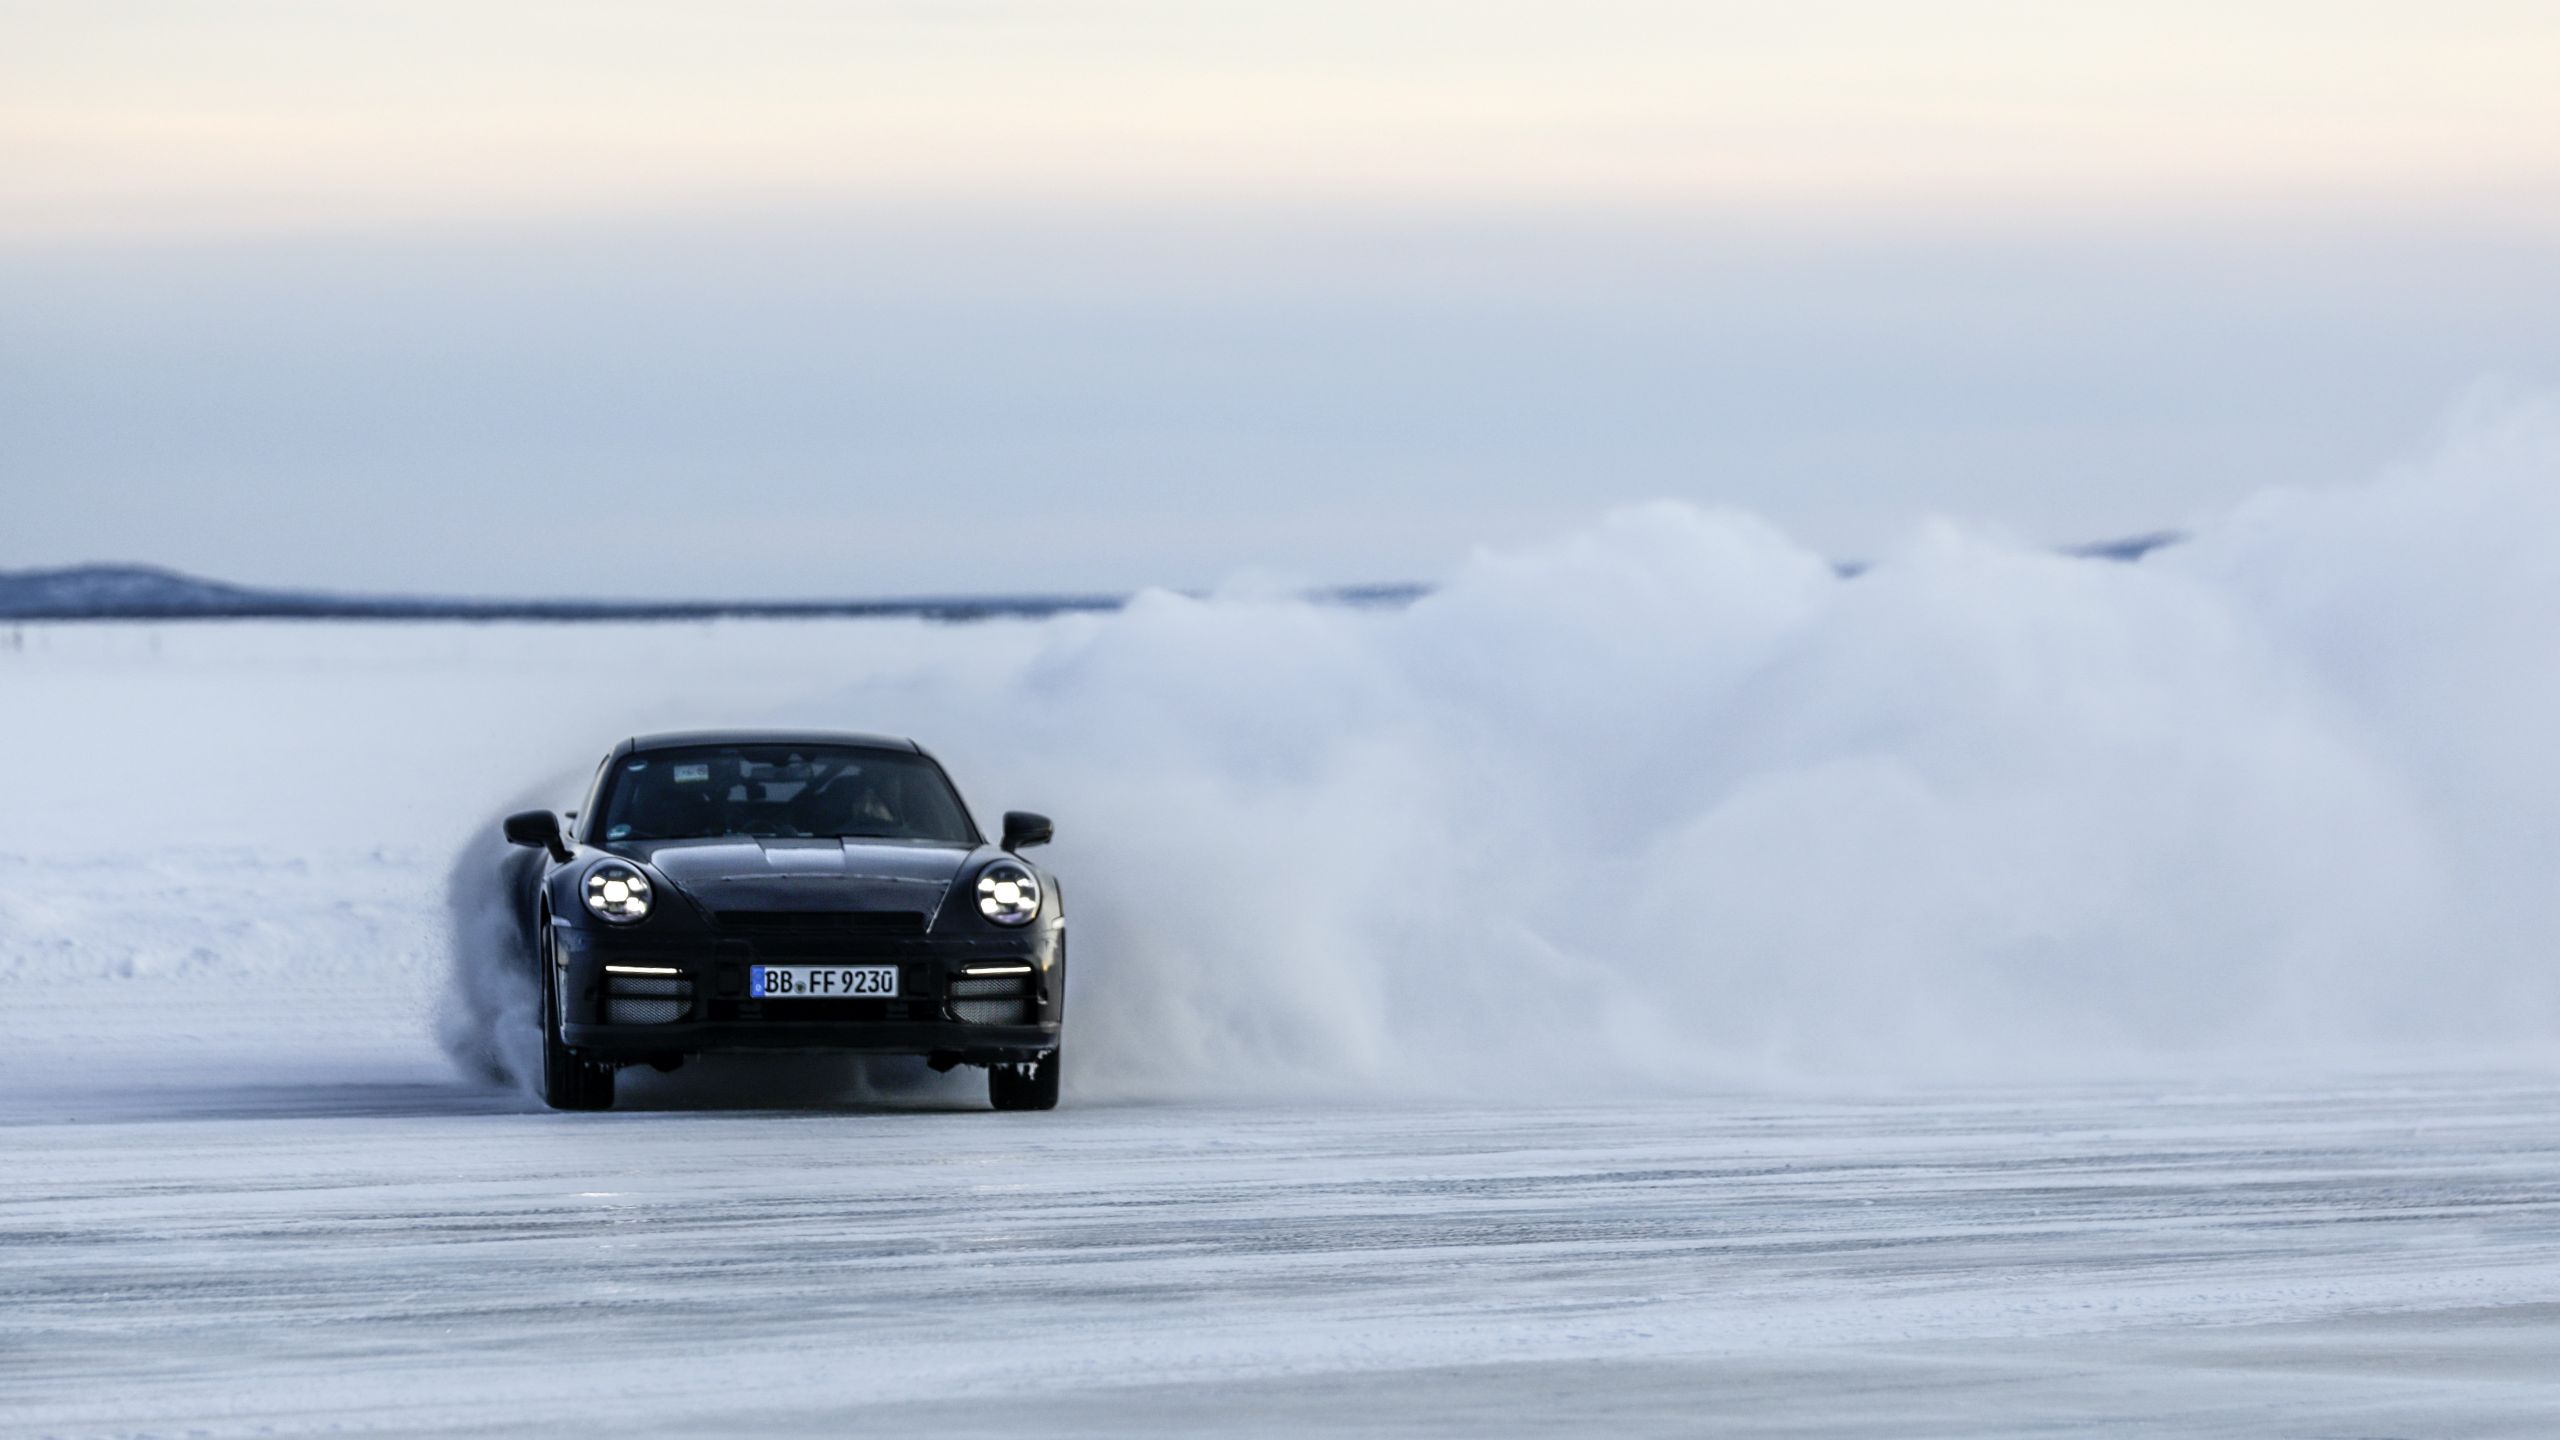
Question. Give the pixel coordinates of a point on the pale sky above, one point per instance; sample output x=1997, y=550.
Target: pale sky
x=772, y=297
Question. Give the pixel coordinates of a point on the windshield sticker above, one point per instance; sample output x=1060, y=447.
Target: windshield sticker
x=617, y=832
x=692, y=774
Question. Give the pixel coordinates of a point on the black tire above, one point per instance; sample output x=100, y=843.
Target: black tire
x=570, y=1081
x=1024, y=1087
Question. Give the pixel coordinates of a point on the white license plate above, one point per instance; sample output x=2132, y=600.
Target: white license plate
x=822, y=982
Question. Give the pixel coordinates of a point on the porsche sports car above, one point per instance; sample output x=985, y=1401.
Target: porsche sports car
x=756, y=890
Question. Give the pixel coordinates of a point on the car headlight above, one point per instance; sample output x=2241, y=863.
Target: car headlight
x=1008, y=894
x=618, y=893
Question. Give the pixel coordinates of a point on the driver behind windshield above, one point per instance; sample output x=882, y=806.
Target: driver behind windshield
x=773, y=792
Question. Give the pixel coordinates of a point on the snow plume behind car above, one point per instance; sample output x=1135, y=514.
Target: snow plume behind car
x=1670, y=803
x=485, y=1019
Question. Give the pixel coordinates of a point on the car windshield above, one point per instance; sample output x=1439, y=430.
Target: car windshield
x=779, y=791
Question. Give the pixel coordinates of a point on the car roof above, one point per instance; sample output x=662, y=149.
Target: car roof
x=694, y=739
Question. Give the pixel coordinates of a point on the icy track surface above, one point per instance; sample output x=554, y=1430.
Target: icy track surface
x=1682, y=992
x=414, y=1258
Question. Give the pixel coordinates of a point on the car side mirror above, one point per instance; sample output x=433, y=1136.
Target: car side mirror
x=539, y=829
x=1022, y=830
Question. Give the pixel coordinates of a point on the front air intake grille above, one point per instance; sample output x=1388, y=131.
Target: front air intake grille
x=988, y=985
x=992, y=999
x=646, y=999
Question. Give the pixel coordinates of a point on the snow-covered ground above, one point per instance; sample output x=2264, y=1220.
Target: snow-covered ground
x=1653, y=986
x=244, y=1193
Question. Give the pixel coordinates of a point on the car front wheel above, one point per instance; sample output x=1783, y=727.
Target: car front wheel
x=570, y=1081
x=1025, y=1087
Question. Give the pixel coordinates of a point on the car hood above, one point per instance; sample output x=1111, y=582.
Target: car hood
x=742, y=873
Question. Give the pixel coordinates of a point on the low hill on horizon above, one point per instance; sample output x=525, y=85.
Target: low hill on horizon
x=152, y=592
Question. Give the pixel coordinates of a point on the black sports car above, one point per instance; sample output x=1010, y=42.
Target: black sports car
x=753, y=890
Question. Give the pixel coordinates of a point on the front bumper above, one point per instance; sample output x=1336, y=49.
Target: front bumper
x=968, y=1044
x=693, y=990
